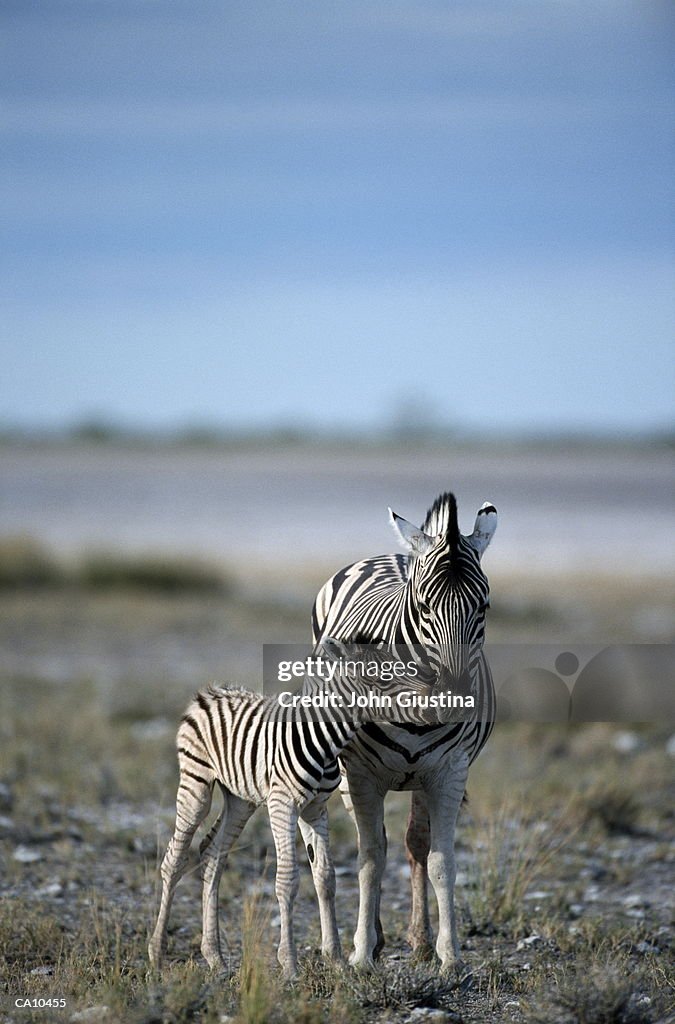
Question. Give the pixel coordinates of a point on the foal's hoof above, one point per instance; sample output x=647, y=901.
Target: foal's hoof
x=216, y=960
x=219, y=966
x=289, y=972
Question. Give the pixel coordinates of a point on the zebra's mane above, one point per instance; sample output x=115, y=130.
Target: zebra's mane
x=442, y=518
x=239, y=693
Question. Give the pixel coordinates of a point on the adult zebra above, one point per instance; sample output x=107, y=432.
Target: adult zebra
x=435, y=597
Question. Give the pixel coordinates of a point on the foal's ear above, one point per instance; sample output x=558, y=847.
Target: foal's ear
x=484, y=527
x=417, y=541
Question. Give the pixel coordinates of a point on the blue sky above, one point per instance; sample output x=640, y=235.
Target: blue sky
x=248, y=213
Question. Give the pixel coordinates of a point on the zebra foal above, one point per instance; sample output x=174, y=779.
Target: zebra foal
x=434, y=598
x=258, y=751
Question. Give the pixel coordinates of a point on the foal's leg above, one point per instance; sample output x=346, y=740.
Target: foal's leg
x=284, y=820
x=214, y=850
x=417, y=851
x=192, y=805
x=314, y=828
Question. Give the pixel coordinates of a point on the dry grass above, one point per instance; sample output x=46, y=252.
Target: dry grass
x=564, y=858
x=259, y=989
x=512, y=854
x=608, y=992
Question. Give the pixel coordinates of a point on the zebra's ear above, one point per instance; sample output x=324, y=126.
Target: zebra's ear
x=484, y=527
x=333, y=649
x=417, y=541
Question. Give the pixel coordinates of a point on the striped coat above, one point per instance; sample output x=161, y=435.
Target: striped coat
x=258, y=751
x=434, y=600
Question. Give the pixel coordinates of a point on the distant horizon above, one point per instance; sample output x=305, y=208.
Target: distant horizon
x=205, y=432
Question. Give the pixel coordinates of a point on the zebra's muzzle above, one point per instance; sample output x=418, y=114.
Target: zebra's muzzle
x=457, y=684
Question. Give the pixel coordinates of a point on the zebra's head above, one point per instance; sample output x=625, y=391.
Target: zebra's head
x=448, y=592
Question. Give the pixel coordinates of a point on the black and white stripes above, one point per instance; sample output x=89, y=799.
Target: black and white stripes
x=435, y=598
x=431, y=604
x=259, y=751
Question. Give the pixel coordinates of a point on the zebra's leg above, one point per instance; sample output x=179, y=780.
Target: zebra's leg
x=347, y=801
x=379, y=945
x=214, y=850
x=284, y=820
x=417, y=852
x=314, y=828
x=444, y=799
x=193, y=802
x=367, y=806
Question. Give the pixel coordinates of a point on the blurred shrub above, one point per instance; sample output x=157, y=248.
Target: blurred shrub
x=614, y=807
x=103, y=571
x=26, y=564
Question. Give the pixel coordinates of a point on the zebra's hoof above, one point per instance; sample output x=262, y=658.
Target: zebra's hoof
x=457, y=972
x=332, y=956
x=362, y=963
x=422, y=952
x=156, y=955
